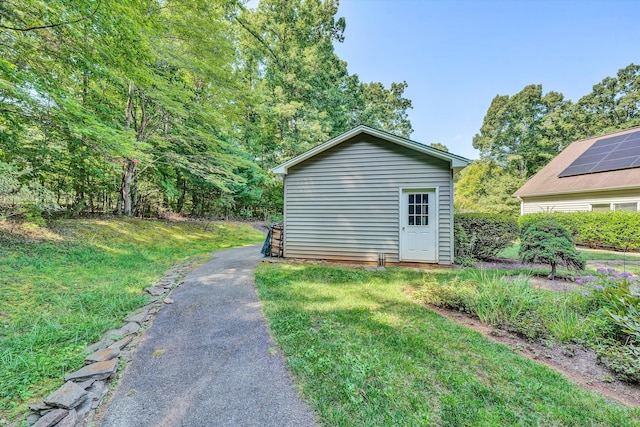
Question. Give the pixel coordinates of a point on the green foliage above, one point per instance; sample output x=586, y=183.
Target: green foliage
x=485, y=186
x=61, y=288
x=548, y=242
x=619, y=230
x=573, y=317
x=623, y=304
x=517, y=133
x=160, y=105
x=28, y=199
x=363, y=354
x=482, y=236
x=624, y=360
x=521, y=133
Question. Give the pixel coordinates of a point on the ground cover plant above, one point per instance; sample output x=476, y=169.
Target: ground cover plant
x=60, y=288
x=365, y=354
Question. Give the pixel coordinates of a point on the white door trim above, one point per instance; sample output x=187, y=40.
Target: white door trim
x=436, y=222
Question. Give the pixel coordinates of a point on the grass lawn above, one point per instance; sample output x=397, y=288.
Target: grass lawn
x=61, y=288
x=364, y=354
x=511, y=252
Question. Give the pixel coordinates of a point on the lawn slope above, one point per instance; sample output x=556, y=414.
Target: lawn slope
x=364, y=354
x=61, y=287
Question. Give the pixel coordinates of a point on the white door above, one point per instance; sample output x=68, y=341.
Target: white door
x=418, y=226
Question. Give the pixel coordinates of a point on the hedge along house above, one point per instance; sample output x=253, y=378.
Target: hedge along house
x=595, y=174
x=370, y=197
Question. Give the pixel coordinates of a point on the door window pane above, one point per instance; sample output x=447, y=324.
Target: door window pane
x=418, y=209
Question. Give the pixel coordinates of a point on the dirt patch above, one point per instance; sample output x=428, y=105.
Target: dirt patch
x=577, y=364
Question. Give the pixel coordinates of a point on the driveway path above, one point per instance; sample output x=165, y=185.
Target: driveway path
x=207, y=360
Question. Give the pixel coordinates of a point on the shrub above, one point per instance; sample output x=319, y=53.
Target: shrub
x=482, y=236
x=456, y=294
x=548, y=242
x=619, y=230
x=624, y=360
x=23, y=197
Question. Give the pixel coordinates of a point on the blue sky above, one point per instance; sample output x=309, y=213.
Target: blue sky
x=458, y=55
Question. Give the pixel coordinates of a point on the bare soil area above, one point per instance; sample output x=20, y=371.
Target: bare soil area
x=577, y=364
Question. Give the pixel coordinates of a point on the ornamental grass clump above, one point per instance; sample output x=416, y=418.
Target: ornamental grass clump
x=548, y=242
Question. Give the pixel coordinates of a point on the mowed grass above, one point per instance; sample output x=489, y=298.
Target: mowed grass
x=62, y=287
x=364, y=354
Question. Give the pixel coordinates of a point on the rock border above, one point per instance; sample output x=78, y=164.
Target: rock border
x=74, y=404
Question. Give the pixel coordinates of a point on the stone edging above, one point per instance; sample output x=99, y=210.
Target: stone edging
x=74, y=404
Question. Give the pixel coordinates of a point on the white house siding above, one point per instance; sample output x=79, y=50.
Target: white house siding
x=343, y=204
x=578, y=201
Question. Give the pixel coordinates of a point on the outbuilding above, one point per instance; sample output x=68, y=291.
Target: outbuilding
x=370, y=197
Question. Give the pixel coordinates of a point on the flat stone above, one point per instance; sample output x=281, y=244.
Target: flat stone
x=84, y=409
x=70, y=420
x=156, y=290
x=138, y=317
x=103, y=355
x=97, y=388
x=86, y=384
x=127, y=329
x=98, y=346
x=168, y=300
x=51, y=418
x=40, y=407
x=32, y=418
x=68, y=396
x=97, y=371
x=97, y=392
x=122, y=343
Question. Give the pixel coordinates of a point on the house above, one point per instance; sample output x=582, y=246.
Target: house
x=370, y=197
x=595, y=174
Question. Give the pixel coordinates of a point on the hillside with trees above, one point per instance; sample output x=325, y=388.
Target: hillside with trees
x=138, y=107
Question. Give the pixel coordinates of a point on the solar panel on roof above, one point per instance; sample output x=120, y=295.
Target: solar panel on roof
x=607, y=154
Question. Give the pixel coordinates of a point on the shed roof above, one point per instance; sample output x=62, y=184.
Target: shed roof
x=547, y=181
x=457, y=162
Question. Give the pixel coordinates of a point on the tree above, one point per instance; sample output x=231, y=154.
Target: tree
x=516, y=132
x=613, y=104
x=384, y=109
x=440, y=146
x=485, y=186
x=548, y=242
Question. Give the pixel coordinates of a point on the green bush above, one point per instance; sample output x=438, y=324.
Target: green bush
x=624, y=360
x=455, y=294
x=482, y=236
x=548, y=242
x=618, y=230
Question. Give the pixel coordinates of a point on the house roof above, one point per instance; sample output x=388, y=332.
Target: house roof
x=457, y=162
x=547, y=182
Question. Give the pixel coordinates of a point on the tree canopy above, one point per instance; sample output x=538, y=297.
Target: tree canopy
x=521, y=133
x=135, y=107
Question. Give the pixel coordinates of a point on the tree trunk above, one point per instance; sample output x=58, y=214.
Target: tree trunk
x=552, y=275
x=125, y=188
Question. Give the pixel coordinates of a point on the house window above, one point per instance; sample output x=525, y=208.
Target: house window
x=626, y=206
x=418, y=209
x=601, y=207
